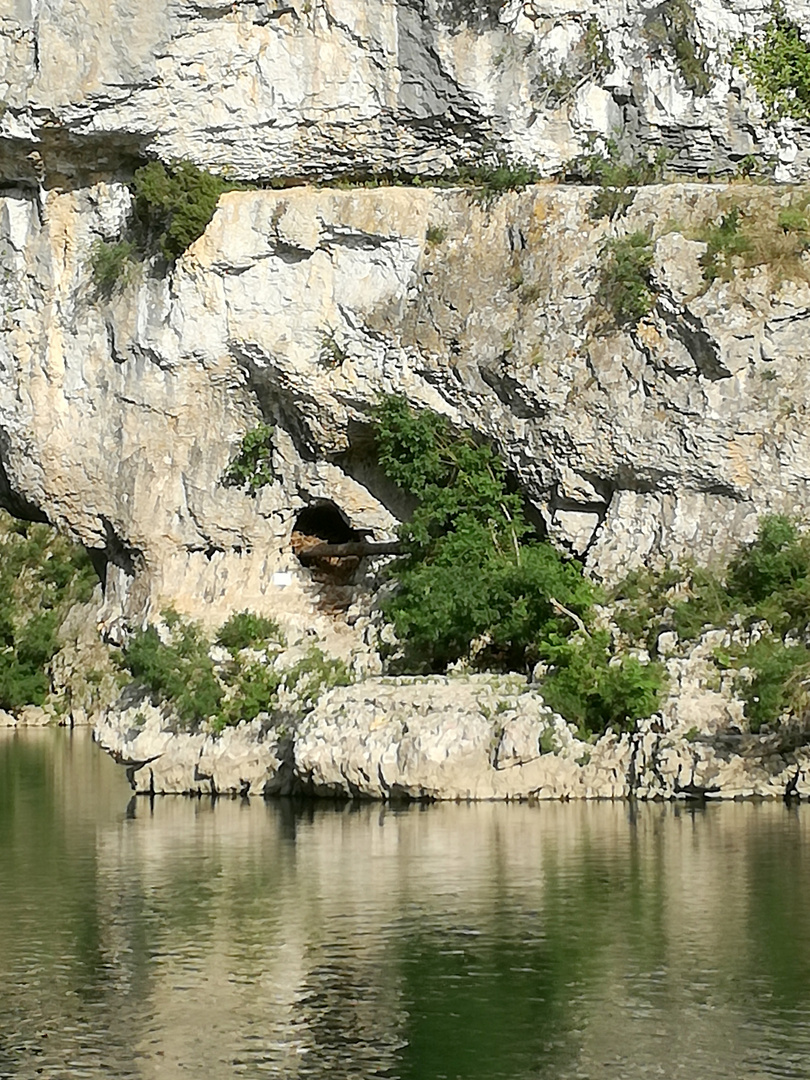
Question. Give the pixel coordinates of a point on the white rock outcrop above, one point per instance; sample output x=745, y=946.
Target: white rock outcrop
x=268, y=88
x=119, y=416
x=459, y=739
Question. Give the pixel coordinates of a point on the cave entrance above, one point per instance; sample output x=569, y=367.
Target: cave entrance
x=325, y=523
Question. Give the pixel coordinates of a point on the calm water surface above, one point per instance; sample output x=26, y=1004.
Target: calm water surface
x=191, y=939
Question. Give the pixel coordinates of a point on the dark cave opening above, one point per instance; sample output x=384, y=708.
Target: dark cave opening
x=325, y=523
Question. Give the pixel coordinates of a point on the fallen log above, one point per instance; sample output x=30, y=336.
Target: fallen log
x=362, y=548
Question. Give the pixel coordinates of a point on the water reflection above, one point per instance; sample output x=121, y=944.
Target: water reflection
x=186, y=938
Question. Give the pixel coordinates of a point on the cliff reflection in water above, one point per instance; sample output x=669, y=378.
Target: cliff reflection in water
x=229, y=939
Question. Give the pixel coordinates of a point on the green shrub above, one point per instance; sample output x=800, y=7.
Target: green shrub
x=175, y=203
x=593, y=689
x=42, y=575
x=252, y=468
x=252, y=688
x=779, y=682
x=473, y=575
x=726, y=243
x=331, y=353
x=794, y=219
x=616, y=177
x=757, y=230
x=111, y=264
x=246, y=630
x=180, y=671
x=312, y=676
x=766, y=582
x=490, y=181
x=778, y=64
x=624, y=287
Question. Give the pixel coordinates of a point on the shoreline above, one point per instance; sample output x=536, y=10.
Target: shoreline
x=439, y=738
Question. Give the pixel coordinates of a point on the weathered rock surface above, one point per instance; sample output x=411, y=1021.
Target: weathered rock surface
x=462, y=738
x=118, y=417
x=267, y=88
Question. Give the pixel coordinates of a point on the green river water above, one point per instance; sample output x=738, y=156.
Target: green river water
x=185, y=938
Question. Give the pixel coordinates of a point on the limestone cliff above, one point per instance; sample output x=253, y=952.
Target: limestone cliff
x=120, y=415
x=270, y=88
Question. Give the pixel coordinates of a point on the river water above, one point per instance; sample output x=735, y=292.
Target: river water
x=185, y=938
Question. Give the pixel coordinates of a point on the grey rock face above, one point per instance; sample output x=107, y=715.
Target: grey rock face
x=310, y=88
x=118, y=417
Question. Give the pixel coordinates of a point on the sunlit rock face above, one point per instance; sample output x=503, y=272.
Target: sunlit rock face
x=119, y=416
x=310, y=88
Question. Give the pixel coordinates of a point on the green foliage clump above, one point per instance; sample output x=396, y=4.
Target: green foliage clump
x=111, y=264
x=778, y=682
x=491, y=181
x=175, y=203
x=331, y=353
x=473, y=571
x=758, y=229
x=778, y=63
x=589, y=60
x=42, y=575
x=594, y=688
x=794, y=219
x=435, y=235
x=476, y=584
x=672, y=24
x=765, y=585
x=727, y=246
x=252, y=467
x=625, y=277
x=313, y=675
x=246, y=630
x=177, y=667
x=251, y=687
x=180, y=670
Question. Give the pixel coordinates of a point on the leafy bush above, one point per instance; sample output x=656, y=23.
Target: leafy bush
x=726, y=243
x=42, y=575
x=251, y=688
x=616, y=178
x=794, y=219
x=175, y=203
x=180, y=671
x=473, y=575
x=625, y=277
x=111, y=264
x=593, y=689
x=314, y=675
x=252, y=467
x=778, y=64
x=758, y=229
x=477, y=584
x=246, y=630
x=766, y=583
x=588, y=60
x=780, y=674
x=490, y=181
